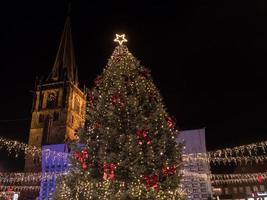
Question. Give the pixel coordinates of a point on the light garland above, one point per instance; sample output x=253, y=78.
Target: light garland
x=36, y=177
x=195, y=157
x=16, y=188
x=13, y=146
x=28, y=177
x=243, y=154
x=218, y=179
x=188, y=174
x=7, y=195
x=243, y=150
x=237, y=160
x=237, y=176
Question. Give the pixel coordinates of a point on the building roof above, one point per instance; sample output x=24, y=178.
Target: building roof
x=64, y=68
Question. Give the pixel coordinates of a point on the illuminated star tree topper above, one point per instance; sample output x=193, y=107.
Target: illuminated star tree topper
x=120, y=39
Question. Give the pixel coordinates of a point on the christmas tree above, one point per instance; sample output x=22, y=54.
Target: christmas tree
x=129, y=146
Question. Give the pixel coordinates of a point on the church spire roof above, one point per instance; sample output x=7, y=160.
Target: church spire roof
x=64, y=67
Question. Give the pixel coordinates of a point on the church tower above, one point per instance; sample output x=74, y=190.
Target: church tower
x=59, y=105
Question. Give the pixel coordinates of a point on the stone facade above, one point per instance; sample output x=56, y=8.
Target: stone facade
x=59, y=109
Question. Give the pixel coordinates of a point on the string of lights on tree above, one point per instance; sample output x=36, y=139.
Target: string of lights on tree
x=87, y=189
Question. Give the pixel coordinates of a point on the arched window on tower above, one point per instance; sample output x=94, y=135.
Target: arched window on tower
x=51, y=100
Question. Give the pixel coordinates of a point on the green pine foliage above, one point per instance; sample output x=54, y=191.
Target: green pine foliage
x=130, y=149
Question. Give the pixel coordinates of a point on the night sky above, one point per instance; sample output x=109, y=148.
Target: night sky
x=208, y=59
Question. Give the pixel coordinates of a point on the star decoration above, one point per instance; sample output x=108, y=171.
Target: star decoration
x=120, y=39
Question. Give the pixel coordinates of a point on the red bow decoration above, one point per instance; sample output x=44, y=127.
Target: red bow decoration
x=170, y=122
x=260, y=179
x=152, y=181
x=9, y=189
x=117, y=98
x=143, y=136
x=109, y=171
x=169, y=171
x=81, y=157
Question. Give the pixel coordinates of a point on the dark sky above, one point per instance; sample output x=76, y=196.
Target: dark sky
x=208, y=58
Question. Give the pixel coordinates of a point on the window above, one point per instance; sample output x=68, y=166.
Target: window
x=195, y=184
x=241, y=190
x=203, y=190
x=51, y=100
x=41, y=101
x=235, y=190
x=195, y=190
x=248, y=190
x=226, y=191
x=56, y=116
x=72, y=119
x=262, y=188
x=203, y=185
x=41, y=118
x=255, y=188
